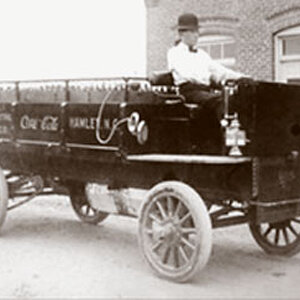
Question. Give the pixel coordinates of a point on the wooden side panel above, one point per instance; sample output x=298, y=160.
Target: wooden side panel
x=37, y=122
x=6, y=121
x=81, y=124
x=168, y=129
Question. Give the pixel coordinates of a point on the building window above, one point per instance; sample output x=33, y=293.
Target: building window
x=220, y=48
x=287, y=56
x=291, y=45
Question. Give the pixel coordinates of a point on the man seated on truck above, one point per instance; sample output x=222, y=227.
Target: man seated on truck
x=194, y=70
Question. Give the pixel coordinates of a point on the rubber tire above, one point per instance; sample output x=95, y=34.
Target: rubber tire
x=202, y=221
x=3, y=197
x=77, y=198
x=288, y=251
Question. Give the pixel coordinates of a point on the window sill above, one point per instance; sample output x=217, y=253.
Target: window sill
x=289, y=58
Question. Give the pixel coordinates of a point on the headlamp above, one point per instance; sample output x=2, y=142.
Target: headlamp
x=133, y=122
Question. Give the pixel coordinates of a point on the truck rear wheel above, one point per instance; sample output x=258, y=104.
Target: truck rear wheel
x=3, y=197
x=175, y=232
x=82, y=208
x=281, y=238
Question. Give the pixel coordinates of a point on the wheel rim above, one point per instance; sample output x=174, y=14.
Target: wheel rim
x=4, y=197
x=170, y=233
x=281, y=235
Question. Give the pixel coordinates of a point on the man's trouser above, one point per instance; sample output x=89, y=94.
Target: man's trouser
x=202, y=95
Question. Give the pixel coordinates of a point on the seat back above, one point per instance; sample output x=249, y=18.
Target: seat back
x=162, y=78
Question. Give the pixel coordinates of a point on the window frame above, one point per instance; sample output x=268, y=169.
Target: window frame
x=279, y=58
x=210, y=40
x=295, y=31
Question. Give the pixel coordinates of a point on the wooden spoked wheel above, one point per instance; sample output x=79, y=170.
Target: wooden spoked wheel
x=175, y=231
x=84, y=211
x=3, y=197
x=281, y=238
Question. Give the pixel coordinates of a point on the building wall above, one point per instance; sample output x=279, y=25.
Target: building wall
x=253, y=24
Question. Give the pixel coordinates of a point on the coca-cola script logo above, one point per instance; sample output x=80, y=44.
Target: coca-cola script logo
x=47, y=123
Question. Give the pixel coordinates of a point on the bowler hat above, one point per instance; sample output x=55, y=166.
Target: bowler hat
x=188, y=22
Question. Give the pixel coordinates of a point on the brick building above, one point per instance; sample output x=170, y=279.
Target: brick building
x=258, y=37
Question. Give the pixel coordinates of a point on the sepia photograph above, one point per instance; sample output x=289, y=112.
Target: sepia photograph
x=149, y=149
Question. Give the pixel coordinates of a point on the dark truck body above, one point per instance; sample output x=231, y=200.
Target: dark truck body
x=97, y=140
x=51, y=131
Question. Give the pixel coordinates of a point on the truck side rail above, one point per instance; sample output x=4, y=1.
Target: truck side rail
x=188, y=159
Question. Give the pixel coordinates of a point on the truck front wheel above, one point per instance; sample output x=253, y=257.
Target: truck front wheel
x=175, y=232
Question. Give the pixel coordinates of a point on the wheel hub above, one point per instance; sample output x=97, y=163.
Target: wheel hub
x=281, y=225
x=169, y=232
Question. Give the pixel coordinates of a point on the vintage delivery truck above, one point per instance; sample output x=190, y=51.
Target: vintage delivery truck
x=138, y=148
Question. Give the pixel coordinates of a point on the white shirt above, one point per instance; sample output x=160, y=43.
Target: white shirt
x=196, y=67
